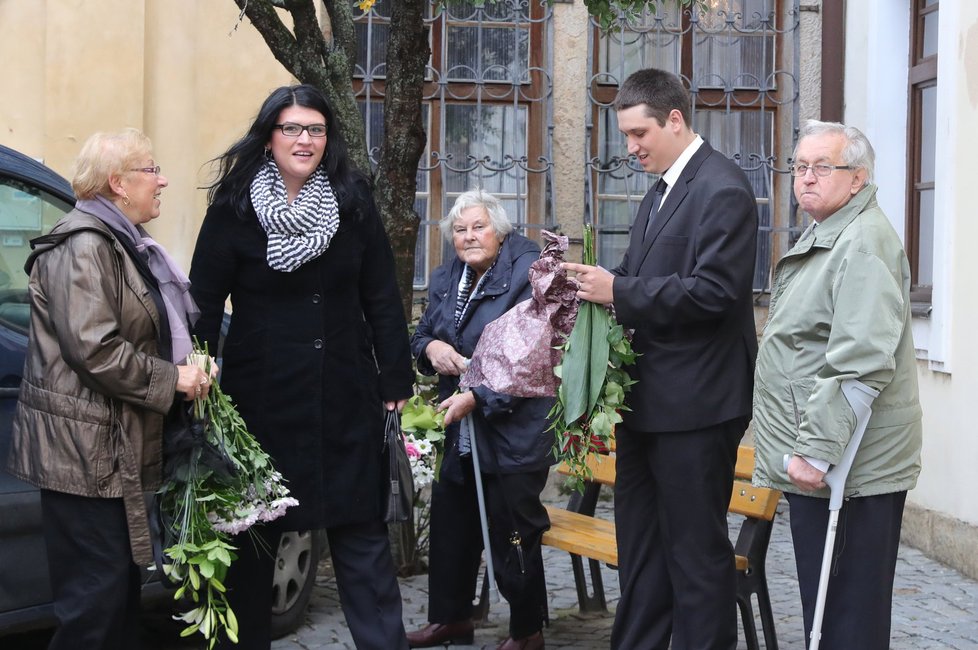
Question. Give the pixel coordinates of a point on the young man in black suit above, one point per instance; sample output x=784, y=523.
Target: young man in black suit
x=685, y=286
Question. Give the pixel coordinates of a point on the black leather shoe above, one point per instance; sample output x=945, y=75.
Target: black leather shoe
x=432, y=634
x=532, y=642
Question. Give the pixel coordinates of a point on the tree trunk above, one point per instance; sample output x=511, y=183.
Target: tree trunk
x=404, y=137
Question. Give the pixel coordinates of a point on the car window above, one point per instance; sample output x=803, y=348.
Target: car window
x=26, y=211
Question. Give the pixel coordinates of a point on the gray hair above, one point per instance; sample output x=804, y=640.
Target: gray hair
x=857, y=152
x=478, y=198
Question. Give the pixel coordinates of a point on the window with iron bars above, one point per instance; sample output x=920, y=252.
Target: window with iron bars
x=739, y=59
x=487, y=110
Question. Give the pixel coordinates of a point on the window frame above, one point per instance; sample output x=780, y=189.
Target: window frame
x=922, y=76
x=533, y=92
x=774, y=95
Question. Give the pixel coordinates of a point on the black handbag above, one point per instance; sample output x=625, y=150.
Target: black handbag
x=400, y=499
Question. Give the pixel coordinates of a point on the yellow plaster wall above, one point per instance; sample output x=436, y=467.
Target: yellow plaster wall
x=177, y=69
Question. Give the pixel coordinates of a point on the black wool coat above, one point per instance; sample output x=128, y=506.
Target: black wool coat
x=310, y=355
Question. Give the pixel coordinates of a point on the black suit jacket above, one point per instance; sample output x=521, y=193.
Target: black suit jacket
x=687, y=292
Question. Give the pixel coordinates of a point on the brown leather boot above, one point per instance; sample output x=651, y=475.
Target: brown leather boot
x=532, y=642
x=432, y=634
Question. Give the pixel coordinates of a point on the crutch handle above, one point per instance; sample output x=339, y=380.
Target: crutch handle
x=860, y=398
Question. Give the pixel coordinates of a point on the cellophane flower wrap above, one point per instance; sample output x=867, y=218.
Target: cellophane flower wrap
x=593, y=384
x=217, y=482
x=516, y=353
x=555, y=344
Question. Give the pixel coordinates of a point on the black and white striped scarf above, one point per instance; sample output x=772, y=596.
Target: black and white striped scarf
x=464, y=291
x=467, y=287
x=299, y=232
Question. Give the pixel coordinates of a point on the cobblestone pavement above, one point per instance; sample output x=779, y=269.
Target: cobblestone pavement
x=933, y=606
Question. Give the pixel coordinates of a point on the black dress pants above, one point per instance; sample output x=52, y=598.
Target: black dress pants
x=94, y=581
x=676, y=564
x=365, y=579
x=512, y=501
x=860, y=591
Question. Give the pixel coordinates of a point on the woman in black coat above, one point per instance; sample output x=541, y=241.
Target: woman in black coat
x=486, y=279
x=316, y=344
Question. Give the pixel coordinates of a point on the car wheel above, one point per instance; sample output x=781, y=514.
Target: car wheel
x=294, y=578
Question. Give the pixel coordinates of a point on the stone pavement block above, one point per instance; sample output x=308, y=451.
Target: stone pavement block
x=934, y=607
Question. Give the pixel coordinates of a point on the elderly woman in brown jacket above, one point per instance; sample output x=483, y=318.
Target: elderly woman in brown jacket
x=109, y=323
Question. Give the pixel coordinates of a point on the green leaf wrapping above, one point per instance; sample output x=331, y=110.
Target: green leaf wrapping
x=600, y=349
x=593, y=383
x=575, y=390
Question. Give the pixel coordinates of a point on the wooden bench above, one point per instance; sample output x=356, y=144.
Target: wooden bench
x=576, y=530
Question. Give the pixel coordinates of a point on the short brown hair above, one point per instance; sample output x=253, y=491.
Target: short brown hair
x=660, y=91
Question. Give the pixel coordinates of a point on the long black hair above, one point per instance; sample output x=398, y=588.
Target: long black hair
x=238, y=165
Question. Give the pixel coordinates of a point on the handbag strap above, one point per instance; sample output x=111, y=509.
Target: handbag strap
x=392, y=426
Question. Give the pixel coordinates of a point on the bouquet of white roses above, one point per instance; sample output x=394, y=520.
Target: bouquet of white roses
x=218, y=482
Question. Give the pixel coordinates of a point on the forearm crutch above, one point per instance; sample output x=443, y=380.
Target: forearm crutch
x=860, y=398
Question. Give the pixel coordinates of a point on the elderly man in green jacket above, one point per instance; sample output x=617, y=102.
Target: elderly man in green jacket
x=840, y=309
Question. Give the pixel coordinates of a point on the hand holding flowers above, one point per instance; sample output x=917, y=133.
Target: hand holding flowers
x=424, y=438
x=218, y=482
x=593, y=379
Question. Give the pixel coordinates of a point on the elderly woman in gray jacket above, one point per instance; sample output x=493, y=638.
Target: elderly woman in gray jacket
x=109, y=324
x=487, y=278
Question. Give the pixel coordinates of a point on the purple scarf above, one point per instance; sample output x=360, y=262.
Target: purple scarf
x=174, y=285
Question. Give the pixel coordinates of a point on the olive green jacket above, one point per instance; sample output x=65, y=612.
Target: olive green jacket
x=840, y=309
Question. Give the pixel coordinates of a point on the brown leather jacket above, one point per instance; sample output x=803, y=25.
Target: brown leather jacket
x=89, y=420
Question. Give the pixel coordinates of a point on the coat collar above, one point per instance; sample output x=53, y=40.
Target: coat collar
x=499, y=280
x=827, y=233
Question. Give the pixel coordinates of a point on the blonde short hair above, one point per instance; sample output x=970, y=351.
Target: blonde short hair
x=104, y=155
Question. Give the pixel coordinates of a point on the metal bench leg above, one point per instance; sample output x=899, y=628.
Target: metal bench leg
x=747, y=618
x=767, y=616
x=595, y=600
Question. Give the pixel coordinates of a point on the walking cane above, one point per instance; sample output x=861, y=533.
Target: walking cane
x=860, y=398
x=467, y=423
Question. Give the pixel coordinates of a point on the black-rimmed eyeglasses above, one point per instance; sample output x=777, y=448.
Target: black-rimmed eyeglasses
x=295, y=130
x=800, y=169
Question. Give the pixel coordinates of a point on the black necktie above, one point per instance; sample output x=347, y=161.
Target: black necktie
x=660, y=189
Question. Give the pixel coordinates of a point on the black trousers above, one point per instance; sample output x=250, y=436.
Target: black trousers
x=676, y=563
x=94, y=581
x=365, y=579
x=860, y=592
x=512, y=502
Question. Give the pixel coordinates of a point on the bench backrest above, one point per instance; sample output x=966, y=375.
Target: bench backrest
x=745, y=499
